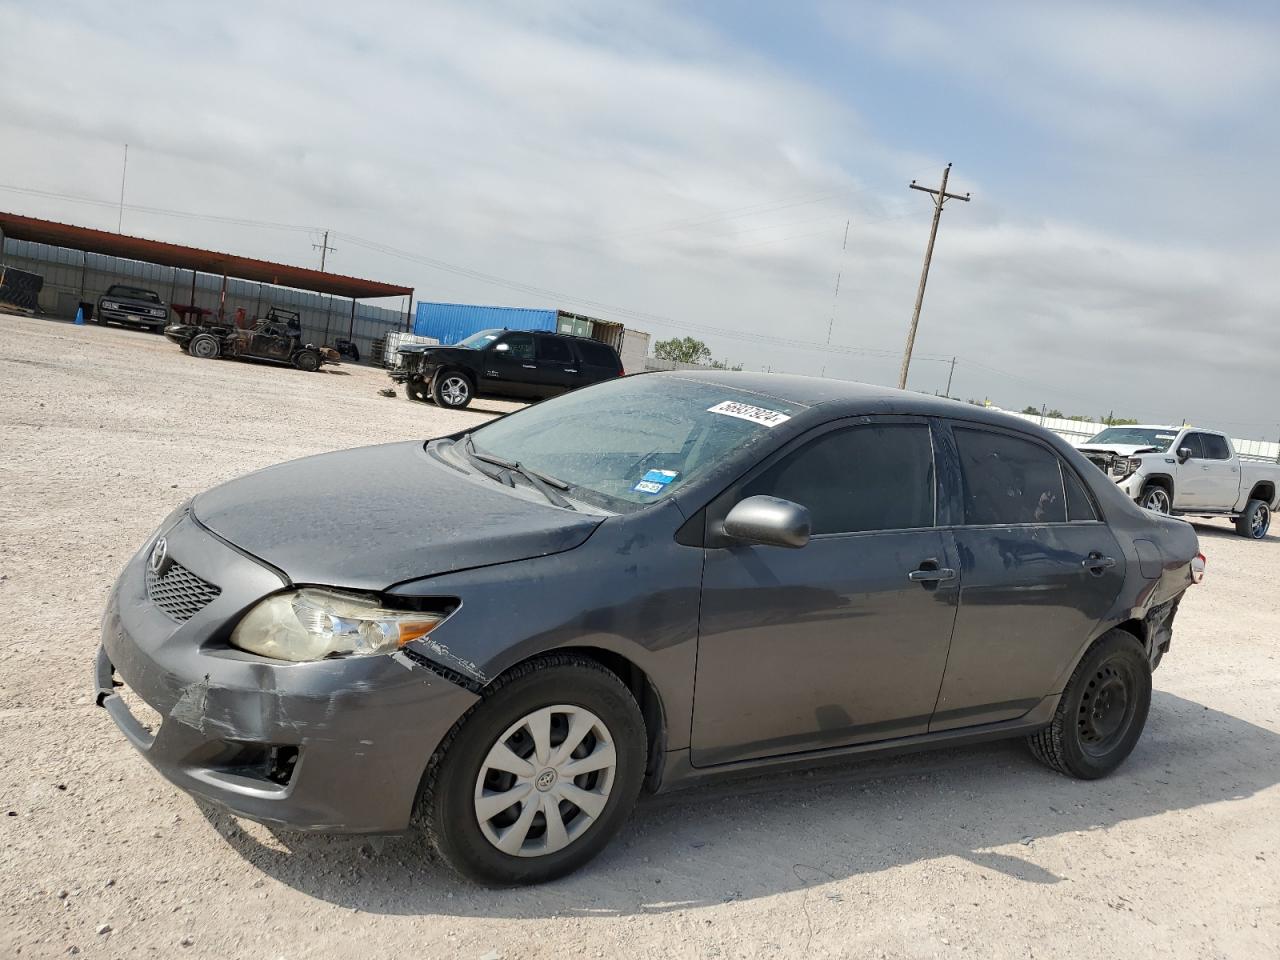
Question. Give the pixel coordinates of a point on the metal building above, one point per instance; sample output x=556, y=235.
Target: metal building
x=79, y=264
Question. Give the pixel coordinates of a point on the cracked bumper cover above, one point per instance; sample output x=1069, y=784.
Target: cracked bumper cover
x=363, y=727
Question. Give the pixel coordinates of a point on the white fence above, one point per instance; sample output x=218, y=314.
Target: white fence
x=1078, y=431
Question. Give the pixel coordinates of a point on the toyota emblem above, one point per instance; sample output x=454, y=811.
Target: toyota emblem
x=159, y=561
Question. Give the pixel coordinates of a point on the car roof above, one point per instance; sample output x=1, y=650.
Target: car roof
x=849, y=397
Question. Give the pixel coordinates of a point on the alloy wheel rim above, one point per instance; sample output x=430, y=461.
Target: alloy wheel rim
x=455, y=390
x=1259, y=523
x=1158, y=501
x=545, y=781
x=1107, y=708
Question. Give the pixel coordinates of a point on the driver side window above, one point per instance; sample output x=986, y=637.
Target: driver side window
x=1193, y=443
x=872, y=477
x=520, y=345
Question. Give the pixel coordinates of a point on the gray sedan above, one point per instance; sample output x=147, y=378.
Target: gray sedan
x=648, y=582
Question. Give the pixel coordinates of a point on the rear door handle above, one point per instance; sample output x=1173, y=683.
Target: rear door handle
x=930, y=572
x=530, y=366
x=1097, y=562
x=570, y=371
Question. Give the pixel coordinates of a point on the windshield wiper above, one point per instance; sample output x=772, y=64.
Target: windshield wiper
x=545, y=484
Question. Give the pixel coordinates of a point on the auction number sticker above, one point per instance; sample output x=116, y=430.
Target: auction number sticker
x=744, y=411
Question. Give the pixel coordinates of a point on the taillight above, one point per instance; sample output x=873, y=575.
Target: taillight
x=1197, y=568
x=622, y=372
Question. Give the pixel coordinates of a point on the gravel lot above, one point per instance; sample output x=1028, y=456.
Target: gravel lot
x=977, y=852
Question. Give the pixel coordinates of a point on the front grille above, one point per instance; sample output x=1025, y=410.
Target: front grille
x=180, y=593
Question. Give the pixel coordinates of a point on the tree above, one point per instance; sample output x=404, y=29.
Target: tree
x=1031, y=411
x=682, y=350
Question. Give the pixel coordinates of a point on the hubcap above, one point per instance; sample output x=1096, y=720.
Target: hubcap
x=545, y=781
x=1158, y=501
x=455, y=390
x=1261, y=520
x=1106, y=708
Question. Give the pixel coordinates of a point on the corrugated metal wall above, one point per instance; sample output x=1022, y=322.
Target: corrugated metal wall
x=71, y=276
x=451, y=322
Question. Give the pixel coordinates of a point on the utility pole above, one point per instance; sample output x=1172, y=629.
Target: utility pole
x=123, y=170
x=950, y=374
x=324, y=248
x=940, y=196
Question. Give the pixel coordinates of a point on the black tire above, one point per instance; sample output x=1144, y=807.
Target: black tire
x=1155, y=497
x=447, y=801
x=452, y=389
x=307, y=360
x=1102, y=711
x=1255, y=521
x=204, y=346
x=417, y=390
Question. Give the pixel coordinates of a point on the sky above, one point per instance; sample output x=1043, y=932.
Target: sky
x=710, y=169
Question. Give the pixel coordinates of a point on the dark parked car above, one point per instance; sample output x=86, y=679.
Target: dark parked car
x=637, y=585
x=504, y=363
x=276, y=337
x=133, y=307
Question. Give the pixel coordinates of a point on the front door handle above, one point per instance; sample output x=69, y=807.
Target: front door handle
x=1097, y=562
x=930, y=572
x=531, y=366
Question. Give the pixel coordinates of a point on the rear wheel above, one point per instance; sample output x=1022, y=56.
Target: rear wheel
x=1255, y=521
x=451, y=389
x=307, y=360
x=537, y=778
x=204, y=346
x=1155, y=497
x=1102, y=711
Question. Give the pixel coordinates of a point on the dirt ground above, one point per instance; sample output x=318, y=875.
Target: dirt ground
x=976, y=852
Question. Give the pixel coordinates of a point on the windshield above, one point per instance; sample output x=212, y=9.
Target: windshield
x=1158, y=438
x=478, y=341
x=133, y=293
x=634, y=440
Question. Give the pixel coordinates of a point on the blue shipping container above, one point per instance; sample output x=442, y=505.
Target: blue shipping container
x=451, y=322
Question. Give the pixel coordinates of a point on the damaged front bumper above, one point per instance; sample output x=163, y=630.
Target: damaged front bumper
x=337, y=744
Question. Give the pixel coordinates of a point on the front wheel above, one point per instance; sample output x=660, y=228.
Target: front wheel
x=417, y=390
x=1102, y=711
x=1255, y=521
x=537, y=778
x=1156, y=498
x=451, y=389
x=307, y=360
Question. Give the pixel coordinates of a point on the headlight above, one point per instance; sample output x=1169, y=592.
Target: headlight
x=109, y=305
x=1135, y=464
x=314, y=624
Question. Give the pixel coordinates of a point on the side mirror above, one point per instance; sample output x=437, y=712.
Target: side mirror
x=768, y=521
x=502, y=347
x=1184, y=454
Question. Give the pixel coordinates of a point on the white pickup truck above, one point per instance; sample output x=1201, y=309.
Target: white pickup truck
x=1188, y=470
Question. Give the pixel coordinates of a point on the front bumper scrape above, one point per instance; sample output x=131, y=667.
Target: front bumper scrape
x=337, y=744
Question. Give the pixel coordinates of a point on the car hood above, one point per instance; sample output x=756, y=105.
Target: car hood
x=372, y=517
x=1120, y=449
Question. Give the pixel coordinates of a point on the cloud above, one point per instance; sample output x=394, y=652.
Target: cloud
x=639, y=157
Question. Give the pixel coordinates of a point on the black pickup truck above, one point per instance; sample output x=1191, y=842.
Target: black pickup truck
x=518, y=364
x=132, y=307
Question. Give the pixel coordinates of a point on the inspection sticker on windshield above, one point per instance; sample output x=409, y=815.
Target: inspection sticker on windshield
x=744, y=411
x=655, y=481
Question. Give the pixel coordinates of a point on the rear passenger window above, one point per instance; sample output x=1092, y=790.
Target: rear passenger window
x=1079, y=503
x=597, y=354
x=554, y=350
x=863, y=478
x=1007, y=480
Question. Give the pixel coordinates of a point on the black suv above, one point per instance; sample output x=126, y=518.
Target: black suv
x=523, y=364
